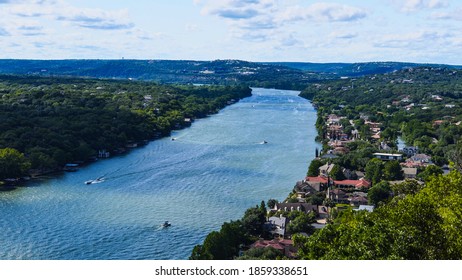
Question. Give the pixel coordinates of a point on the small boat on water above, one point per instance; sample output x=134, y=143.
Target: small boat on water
x=96, y=181
x=166, y=224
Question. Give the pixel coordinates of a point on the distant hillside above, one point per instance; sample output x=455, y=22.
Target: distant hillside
x=169, y=71
x=357, y=69
x=284, y=75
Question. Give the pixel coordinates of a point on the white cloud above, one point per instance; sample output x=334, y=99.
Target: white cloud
x=327, y=12
x=236, y=9
x=413, y=40
x=97, y=18
x=3, y=32
x=343, y=35
x=408, y=6
x=451, y=15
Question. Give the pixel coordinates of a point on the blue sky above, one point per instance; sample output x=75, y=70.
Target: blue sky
x=426, y=31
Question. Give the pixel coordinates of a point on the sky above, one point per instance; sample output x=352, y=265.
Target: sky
x=423, y=31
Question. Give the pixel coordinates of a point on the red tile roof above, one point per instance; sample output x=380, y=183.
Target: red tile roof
x=317, y=179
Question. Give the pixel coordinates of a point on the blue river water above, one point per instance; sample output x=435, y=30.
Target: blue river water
x=210, y=174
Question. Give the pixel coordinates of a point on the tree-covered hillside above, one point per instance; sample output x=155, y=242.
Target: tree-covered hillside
x=54, y=121
x=222, y=72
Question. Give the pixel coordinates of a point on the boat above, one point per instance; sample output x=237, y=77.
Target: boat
x=166, y=224
x=96, y=181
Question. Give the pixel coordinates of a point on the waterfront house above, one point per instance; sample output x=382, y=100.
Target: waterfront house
x=337, y=195
x=276, y=226
x=357, y=184
x=386, y=156
x=285, y=246
x=297, y=206
x=326, y=169
x=303, y=188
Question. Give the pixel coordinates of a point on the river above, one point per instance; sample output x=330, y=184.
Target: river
x=210, y=174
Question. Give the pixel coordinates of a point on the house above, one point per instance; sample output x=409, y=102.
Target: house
x=329, y=155
x=276, y=226
x=341, y=151
x=436, y=97
x=438, y=122
x=410, y=172
x=384, y=146
x=326, y=169
x=297, y=206
x=285, y=246
x=421, y=158
x=332, y=119
x=386, y=156
x=303, y=188
x=369, y=208
x=358, y=200
x=318, y=183
x=410, y=150
x=337, y=195
x=358, y=184
x=323, y=212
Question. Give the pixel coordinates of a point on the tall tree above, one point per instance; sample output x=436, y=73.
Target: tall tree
x=392, y=171
x=374, y=170
x=13, y=164
x=336, y=173
x=313, y=170
x=379, y=193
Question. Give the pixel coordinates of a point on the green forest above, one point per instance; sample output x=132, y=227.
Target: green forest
x=46, y=122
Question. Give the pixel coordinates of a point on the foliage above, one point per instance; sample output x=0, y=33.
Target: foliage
x=430, y=172
x=272, y=203
x=407, y=187
x=221, y=245
x=267, y=253
x=380, y=192
x=392, y=171
x=253, y=219
x=313, y=170
x=302, y=222
x=13, y=164
x=336, y=173
x=374, y=170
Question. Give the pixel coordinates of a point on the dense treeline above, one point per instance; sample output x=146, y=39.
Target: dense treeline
x=53, y=121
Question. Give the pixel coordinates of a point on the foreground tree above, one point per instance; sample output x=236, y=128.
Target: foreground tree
x=13, y=164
